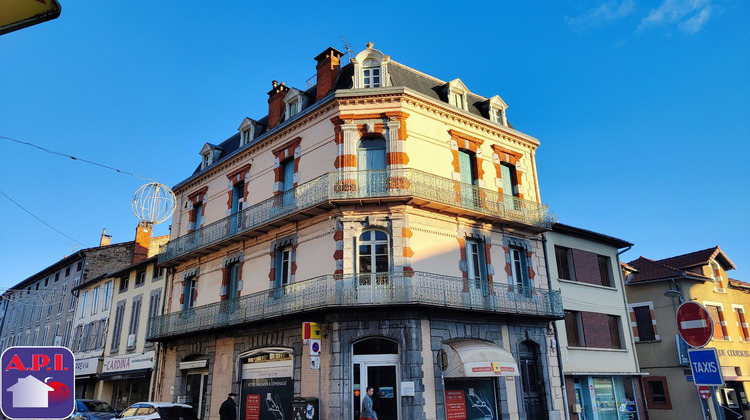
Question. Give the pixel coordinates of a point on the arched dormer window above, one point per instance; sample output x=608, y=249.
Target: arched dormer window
x=371, y=73
x=370, y=69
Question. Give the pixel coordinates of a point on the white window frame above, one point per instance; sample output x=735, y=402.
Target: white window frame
x=247, y=131
x=107, y=295
x=84, y=298
x=294, y=103
x=371, y=70
x=458, y=94
x=370, y=59
x=373, y=243
x=94, y=300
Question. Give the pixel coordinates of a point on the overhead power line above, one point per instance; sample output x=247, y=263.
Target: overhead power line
x=37, y=218
x=76, y=158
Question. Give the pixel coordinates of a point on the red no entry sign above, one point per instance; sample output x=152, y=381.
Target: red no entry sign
x=704, y=392
x=695, y=324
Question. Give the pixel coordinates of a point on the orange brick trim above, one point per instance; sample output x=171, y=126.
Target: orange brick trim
x=397, y=115
x=241, y=172
x=338, y=135
x=506, y=155
x=488, y=261
x=511, y=157
x=194, y=196
x=377, y=128
x=407, y=252
x=406, y=233
x=396, y=158
x=338, y=255
x=466, y=141
x=288, y=147
x=345, y=161
x=401, y=118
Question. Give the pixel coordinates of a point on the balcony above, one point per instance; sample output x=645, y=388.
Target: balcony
x=419, y=189
x=358, y=291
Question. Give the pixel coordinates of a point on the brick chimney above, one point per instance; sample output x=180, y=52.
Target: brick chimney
x=105, y=239
x=276, y=103
x=142, y=242
x=329, y=62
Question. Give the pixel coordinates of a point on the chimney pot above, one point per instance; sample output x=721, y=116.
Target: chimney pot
x=274, y=83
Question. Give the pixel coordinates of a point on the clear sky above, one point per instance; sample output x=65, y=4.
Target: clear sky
x=641, y=107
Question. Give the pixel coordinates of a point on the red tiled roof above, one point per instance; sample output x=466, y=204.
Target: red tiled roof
x=650, y=270
x=698, y=258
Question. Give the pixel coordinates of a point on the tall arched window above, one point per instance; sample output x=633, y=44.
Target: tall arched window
x=374, y=256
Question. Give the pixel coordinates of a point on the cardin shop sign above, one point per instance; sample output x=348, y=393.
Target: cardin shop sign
x=732, y=353
x=129, y=362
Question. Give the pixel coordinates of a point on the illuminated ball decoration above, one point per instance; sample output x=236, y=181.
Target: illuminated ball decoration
x=153, y=203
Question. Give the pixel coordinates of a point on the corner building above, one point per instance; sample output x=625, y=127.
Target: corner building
x=399, y=212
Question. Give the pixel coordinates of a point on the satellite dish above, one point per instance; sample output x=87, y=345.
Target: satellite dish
x=153, y=203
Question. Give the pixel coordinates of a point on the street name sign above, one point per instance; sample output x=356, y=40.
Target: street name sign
x=706, y=368
x=695, y=324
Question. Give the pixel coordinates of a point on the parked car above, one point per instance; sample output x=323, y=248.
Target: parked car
x=158, y=410
x=93, y=410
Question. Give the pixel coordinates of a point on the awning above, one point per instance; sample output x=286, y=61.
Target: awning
x=473, y=358
x=194, y=364
x=125, y=374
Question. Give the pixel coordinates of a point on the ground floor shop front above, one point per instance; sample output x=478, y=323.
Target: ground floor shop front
x=605, y=397
x=420, y=364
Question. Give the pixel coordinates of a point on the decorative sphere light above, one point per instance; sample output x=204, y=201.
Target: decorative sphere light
x=153, y=203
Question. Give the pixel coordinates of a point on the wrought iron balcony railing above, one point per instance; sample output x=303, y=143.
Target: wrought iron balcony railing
x=429, y=189
x=356, y=291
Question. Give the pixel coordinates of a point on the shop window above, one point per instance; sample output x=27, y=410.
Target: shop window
x=644, y=322
x=657, y=393
x=564, y=259
x=574, y=329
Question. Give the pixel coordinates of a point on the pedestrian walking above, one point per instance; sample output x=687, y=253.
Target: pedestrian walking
x=367, y=412
x=228, y=409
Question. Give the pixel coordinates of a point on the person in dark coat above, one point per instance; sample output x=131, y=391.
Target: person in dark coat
x=228, y=409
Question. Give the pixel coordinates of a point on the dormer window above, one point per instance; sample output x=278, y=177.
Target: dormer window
x=247, y=131
x=370, y=68
x=496, y=108
x=457, y=94
x=371, y=73
x=293, y=101
x=210, y=153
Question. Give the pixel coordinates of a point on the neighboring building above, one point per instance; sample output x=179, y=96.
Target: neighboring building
x=92, y=324
x=40, y=310
x=655, y=289
x=400, y=212
x=599, y=362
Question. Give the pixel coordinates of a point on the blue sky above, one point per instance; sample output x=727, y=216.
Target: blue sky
x=641, y=107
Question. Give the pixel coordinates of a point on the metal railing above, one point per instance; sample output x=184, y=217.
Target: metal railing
x=353, y=291
x=362, y=184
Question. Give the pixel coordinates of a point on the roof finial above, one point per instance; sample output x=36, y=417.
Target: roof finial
x=370, y=45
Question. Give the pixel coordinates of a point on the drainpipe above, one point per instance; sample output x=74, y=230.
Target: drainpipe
x=557, y=339
x=630, y=332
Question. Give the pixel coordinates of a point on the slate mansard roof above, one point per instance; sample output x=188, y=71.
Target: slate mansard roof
x=400, y=76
